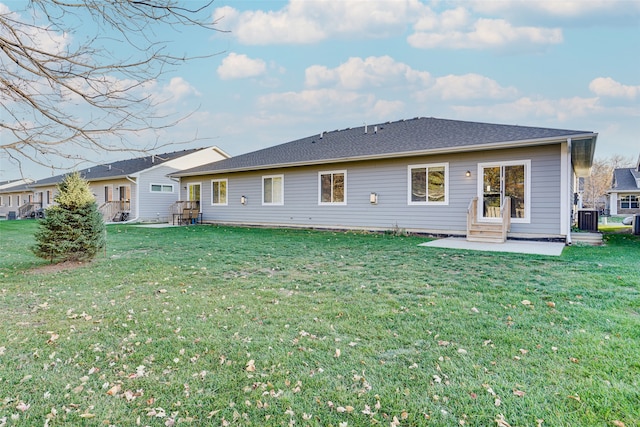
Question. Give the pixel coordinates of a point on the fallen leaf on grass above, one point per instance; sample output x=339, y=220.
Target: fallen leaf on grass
x=551, y=304
x=519, y=393
x=53, y=338
x=618, y=423
x=501, y=422
x=574, y=360
x=114, y=390
x=525, y=302
x=251, y=367
x=576, y=398
x=337, y=353
x=21, y=406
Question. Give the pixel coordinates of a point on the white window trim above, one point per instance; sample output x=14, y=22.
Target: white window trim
x=161, y=188
x=281, y=202
x=332, y=172
x=226, y=184
x=527, y=189
x=446, y=184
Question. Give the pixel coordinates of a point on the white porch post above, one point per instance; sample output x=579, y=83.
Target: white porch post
x=565, y=190
x=613, y=203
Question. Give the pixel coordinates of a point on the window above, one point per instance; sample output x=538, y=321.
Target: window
x=161, y=188
x=332, y=188
x=429, y=184
x=219, y=192
x=629, y=202
x=273, y=190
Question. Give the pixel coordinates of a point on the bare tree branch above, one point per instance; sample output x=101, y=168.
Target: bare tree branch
x=598, y=183
x=75, y=76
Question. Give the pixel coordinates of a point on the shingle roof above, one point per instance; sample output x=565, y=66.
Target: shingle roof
x=118, y=169
x=405, y=137
x=625, y=180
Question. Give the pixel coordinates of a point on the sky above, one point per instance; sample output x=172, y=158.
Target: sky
x=284, y=70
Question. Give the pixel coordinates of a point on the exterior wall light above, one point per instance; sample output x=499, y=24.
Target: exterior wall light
x=243, y=200
x=468, y=173
x=373, y=198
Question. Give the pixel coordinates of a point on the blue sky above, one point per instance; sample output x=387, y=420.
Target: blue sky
x=289, y=69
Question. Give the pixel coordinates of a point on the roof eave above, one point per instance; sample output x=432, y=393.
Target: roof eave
x=582, y=152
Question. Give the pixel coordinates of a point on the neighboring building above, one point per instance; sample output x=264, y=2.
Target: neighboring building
x=420, y=175
x=12, y=195
x=127, y=190
x=624, y=195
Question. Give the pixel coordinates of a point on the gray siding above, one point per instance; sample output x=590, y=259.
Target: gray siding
x=155, y=206
x=387, y=178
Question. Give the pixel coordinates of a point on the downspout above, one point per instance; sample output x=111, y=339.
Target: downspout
x=569, y=175
x=137, y=201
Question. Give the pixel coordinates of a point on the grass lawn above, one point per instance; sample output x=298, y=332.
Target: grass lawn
x=212, y=325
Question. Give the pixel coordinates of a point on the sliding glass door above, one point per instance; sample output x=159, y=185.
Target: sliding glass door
x=502, y=180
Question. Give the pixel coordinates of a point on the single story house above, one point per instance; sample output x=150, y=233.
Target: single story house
x=135, y=189
x=423, y=175
x=12, y=195
x=624, y=195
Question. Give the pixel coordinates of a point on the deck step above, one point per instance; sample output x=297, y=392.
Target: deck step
x=587, y=238
x=483, y=232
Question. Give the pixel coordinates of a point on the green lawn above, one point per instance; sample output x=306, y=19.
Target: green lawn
x=209, y=325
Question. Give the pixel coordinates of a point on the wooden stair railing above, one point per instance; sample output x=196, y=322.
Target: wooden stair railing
x=115, y=210
x=491, y=232
x=26, y=210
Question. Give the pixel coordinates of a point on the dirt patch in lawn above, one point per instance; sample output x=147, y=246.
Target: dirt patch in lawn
x=56, y=268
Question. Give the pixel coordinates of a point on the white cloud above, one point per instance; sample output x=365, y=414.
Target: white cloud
x=303, y=21
x=320, y=100
x=525, y=108
x=358, y=73
x=562, y=9
x=179, y=88
x=486, y=34
x=606, y=86
x=385, y=109
x=236, y=66
x=468, y=86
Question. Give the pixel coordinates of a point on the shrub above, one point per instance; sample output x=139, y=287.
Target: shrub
x=73, y=228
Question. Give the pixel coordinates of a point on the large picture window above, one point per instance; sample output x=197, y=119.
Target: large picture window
x=629, y=202
x=273, y=190
x=332, y=188
x=429, y=184
x=219, y=192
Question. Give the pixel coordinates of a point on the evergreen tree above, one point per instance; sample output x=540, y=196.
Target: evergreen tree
x=73, y=228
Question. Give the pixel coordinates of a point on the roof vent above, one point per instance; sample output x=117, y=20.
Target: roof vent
x=153, y=159
x=365, y=127
x=321, y=134
x=109, y=167
x=375, y=129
